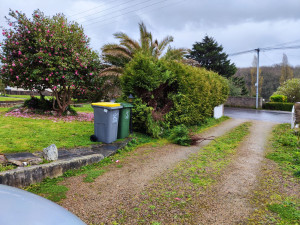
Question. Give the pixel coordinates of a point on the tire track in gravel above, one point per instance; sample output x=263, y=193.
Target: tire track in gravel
x=228, y=201
x=98, y=201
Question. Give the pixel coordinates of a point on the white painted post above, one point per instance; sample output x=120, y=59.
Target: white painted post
x=219, y=111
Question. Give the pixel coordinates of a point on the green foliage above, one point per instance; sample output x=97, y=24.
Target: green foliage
x=282, y=106
x=169, y=93
x=143, y=121
x=288, y=211
x=47, y=52
x=278, y=98
x=291, y=89
x=50, y=189
x=118, y=55
x=210, y=55
x=143, y=74
x=287, y=149
x=180, y=135
x=5, y=168
x=233, y=89
x=198, y=91
x=237, y=86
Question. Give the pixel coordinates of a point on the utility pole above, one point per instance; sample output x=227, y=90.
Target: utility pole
x=257, y=77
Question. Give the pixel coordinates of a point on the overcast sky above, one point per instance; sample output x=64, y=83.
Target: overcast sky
x=238, y=25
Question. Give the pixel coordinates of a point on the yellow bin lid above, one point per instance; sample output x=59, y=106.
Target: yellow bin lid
x=106, y=104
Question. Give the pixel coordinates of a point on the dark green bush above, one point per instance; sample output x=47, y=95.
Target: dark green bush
x=180, y=135
x=143, y=121
x=42, y=105
x=282, y=106
x=278, y=98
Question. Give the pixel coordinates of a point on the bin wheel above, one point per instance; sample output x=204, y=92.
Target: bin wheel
x=93, y=138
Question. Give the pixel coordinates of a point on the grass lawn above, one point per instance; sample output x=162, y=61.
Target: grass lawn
x=30, y=135
x=86, y=108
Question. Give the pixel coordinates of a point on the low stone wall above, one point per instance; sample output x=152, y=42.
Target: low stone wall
x=25, y=176
x=244, y=102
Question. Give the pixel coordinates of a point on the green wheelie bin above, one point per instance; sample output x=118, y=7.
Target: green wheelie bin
x=124, y=120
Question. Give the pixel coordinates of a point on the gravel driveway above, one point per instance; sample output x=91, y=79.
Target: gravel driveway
x=96, y=203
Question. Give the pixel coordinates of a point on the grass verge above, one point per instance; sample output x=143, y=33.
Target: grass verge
x=276, y=198
x=286, y=149
x=172, y=198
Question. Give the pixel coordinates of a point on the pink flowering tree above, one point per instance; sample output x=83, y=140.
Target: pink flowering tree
x=43, y=52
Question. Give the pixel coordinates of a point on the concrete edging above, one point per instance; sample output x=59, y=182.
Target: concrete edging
x=24, y=176
x=68, y=159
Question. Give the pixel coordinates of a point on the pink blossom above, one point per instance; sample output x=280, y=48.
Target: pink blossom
x=63, y=77
x=13, y=64
x=19, y=53
x=17, y=77
x=28, y=32
x=54, y=87
x=47, y=79
x=91, y=74
x=10, y=70
x=48, y=31
x=10, y=24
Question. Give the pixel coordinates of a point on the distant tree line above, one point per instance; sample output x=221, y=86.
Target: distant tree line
x=271, y=78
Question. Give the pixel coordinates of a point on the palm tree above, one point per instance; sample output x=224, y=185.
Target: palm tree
x=117, y=55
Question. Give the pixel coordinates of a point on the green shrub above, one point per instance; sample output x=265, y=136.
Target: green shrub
x=143, y=121
x=282, y=106
x=180, y=135
x=171, y=93
x=291, y=89
x=278, y=98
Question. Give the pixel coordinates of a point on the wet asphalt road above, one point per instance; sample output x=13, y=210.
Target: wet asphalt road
x=264, y=115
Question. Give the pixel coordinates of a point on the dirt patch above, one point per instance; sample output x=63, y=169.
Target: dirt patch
x=227, y=202
x=98, y=201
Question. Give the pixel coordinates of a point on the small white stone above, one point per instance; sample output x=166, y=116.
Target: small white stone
x=50, y=153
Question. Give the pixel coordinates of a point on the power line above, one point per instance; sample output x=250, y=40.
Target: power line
x=125, y=13
x=140, y=14
x=279, y=48
x=91, y=9
x=112, y=11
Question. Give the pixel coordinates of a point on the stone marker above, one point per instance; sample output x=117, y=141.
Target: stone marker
x=50, y=153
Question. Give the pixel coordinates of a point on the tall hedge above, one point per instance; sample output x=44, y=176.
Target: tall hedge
x=199, y=91
x=174, y=92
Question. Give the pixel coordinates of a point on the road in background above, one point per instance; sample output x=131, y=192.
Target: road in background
x=264, y=115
